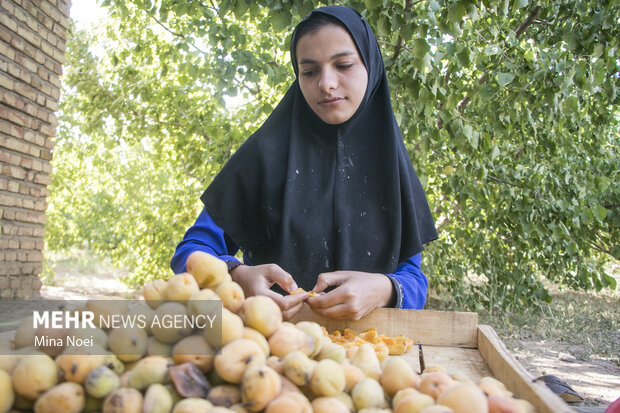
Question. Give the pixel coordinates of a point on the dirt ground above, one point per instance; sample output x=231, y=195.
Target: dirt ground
x=597, y=380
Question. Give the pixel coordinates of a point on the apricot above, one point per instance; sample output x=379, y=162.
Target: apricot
x=328, y=378
x=352, y=375
x=105, y=309
x=157, y=399
x=66, y=397
x=260, y=384
x=154, y=293
x=76, y=362
x=142, y=313
x=54, y=340
x=397, y=375
x=464, y=398
x=290, y=402
x=25, y=333
x=8, y=362
x=289, y=338
x=224, y=395
x=123, y=400
x=260, y=339
x=194, y=349
x=181, y=287
x=7, y=394
x=276, y=363
x=435, y=383
x=232, y=327
x=231, y=294
x=526, y=407
x=329, y=405
x=261, y=313
x=298, y=367
x=34, y=375
x=413, y=403
x=98, y=335
x=332, y=351
x=493, y=387
x=101, y=381
x=402, y=394
x=503, y=404
x=437, y=408
x=366, y=359
x=154, y=347
x=192, y=405
x=149, y=370
x=315, y=331
x=163, y=331
x=208, y=270
x=368, y=393
x=129, y=344
x=202, y=302
x=347, y=400
x=236, y=357
x=188, y=380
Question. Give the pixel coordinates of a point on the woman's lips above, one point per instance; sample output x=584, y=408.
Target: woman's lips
x=330, y=101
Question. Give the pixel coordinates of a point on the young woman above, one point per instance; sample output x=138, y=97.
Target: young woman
x=323, y=195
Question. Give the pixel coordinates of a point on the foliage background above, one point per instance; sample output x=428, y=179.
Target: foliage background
x=509, y=111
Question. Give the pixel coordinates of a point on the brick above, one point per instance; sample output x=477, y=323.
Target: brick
x=24, y=190
x=4, y=284
x=13, y=171
x=38, y=232
x=25, y=91
x=27, y=245
x=47, y=130
x=23, y=231
x=46, y=154
x=13, y=186
x=6, y=82
x=6, y=51
x=42, y=179
x=35, y=256
x=17, y=43
x=6, y=20
x=10, y=256
x=15, y=145
x=51, y=105
x=10, y=100
x=45, y=8
x=26, y=63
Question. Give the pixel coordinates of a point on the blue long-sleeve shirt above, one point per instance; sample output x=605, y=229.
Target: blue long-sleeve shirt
x=409, y=282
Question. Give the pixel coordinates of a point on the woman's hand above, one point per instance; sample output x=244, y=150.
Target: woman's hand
x=356, y=294
x=258, y=279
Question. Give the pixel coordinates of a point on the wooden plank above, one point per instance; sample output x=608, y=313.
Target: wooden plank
x=518, y=380
x=457, y=360
x=439, y=328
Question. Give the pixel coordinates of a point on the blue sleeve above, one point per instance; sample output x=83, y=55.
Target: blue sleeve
x=410, y=284
x=205, y=235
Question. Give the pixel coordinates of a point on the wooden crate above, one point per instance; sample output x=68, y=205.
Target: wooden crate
x=455, y=341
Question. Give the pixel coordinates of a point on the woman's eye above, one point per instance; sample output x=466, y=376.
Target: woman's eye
x=344, y=66
x=307, y=73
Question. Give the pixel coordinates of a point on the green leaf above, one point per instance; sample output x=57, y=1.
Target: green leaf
x=281, y=20
x=519, y=4
x=492, y=50
x=504, y=79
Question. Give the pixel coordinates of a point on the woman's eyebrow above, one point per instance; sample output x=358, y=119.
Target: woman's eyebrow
x=305, y=60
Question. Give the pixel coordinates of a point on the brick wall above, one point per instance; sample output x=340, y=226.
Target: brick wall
x=32, y=47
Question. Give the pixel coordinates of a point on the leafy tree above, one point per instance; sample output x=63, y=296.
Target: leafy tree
x=509, y=111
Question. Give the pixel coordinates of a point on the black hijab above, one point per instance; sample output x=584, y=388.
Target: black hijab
x=313, y=197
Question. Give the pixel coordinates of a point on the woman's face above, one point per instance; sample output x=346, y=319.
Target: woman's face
x=332, y=76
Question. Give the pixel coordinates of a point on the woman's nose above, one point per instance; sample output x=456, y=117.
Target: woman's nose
x=328, y=81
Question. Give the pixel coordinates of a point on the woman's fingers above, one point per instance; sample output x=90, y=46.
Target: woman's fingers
x=277, y=275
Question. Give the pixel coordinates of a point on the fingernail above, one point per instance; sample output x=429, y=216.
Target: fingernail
x=294, y=287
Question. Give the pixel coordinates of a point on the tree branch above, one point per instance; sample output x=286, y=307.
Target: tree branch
x=531, y=18
x=399, y=43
